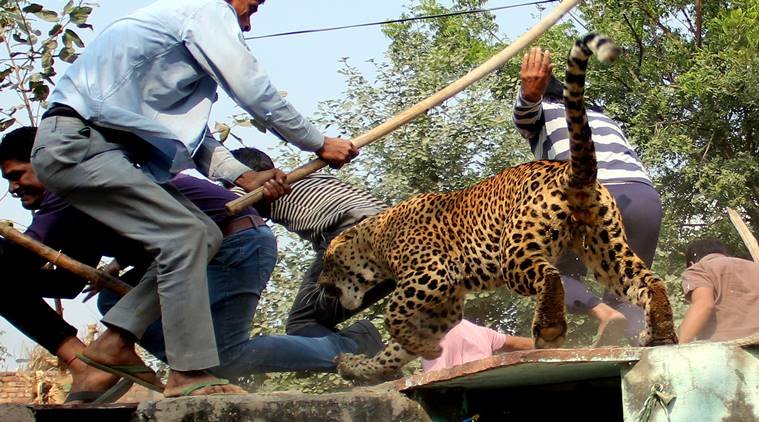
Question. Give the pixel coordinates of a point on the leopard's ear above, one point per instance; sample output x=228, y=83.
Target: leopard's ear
x=346, y=236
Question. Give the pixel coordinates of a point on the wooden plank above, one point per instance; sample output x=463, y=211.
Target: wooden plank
x=748, y=239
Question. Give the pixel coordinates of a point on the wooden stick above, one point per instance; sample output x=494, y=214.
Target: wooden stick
x=743, y=230
x=237, y=205
x=95, y=277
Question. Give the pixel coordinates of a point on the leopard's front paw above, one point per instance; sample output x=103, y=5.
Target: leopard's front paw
x=648, y=340
x=354, y=367
x=363, y=370
x=549, y=336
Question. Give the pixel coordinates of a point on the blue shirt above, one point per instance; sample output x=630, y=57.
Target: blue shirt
x=155, y=74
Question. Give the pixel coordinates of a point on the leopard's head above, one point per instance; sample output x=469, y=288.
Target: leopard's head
x=350, y=267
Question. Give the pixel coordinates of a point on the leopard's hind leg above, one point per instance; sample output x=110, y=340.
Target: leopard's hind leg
x=532, y=274
x=617, y=267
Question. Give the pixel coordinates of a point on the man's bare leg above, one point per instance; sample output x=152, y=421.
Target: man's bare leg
x=612, y=326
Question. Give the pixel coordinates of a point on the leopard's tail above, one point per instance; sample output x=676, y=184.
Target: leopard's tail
x=583, y=166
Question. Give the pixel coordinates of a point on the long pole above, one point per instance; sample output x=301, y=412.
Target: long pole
x=237, y=205
x=748, y=239
x=94, y=276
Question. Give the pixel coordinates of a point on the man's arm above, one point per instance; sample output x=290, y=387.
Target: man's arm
x=699, y=313
x=214, y=39
x=215, y=161
x=514, y=343
x=535, y=74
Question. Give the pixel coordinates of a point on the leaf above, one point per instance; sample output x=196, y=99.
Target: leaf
x=68, y=55
x=4, y=74
x=5, y=124
x=17, y=38
x=80, y=14
x=47, y=15
x=39, y=90
x=70, y=37
x=55, y=30
x=32, y=8
x=47, y=61
x=68, y=7
x=223, y=130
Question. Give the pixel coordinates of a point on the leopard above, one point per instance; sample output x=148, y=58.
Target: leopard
x=508, y=230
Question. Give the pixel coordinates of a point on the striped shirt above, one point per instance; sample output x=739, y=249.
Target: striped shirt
x=317, y=205
x=545, y=126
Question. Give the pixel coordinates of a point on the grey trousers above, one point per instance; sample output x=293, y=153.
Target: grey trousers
x=95, y=175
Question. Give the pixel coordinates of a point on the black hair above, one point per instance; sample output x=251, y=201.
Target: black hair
x=702, y=247
x=17, y=144
x=255, y=159
x=554, y=91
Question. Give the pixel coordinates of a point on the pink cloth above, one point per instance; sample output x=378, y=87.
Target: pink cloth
x=466, y=342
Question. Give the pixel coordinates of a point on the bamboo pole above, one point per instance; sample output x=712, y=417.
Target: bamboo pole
x=743, y=230
x=237, y=205
x=95, y=277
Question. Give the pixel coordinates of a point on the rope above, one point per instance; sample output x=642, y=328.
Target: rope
x=657, y=396
x=413, y=18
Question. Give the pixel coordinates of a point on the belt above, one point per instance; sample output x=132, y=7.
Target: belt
x=137, y=149
x=62, y=110
x=242, y=223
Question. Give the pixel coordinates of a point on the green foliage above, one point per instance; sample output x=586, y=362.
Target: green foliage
x=690, y=108
x=29, y=63
x=683, y=94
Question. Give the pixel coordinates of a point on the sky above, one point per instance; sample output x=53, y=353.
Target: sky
x=305, y=66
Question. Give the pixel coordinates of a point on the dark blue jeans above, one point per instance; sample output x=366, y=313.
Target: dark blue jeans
x=237, y=275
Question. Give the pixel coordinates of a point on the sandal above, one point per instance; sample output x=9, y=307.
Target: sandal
x=109, y=395
x=188, y=390
x=128, y=372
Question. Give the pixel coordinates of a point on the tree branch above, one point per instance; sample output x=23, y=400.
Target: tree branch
x=21, y=90
x=657, y=23
x=640, y=45
x=699, y=21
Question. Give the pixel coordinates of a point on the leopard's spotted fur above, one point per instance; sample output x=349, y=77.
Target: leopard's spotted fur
x=508, y=230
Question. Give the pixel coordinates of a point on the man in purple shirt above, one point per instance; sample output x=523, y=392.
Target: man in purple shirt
x=237, y=275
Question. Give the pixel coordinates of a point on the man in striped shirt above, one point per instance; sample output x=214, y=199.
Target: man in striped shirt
x=539, y=117
x=319, y=208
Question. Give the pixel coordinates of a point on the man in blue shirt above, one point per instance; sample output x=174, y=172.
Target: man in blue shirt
x=131, y=112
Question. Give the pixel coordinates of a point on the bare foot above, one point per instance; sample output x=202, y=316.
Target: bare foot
x=179, y=380
x=612, y=326
x=111, y=348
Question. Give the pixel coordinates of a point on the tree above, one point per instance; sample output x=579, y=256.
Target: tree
x=29, y=66
x=682, y=92
x=685, y=92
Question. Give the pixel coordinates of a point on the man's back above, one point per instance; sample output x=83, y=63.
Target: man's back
x=735, y=283
x=465, y=342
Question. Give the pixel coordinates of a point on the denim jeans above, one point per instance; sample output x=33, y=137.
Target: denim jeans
x=237, y=275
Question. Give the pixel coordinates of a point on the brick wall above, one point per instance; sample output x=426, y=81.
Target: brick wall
x=14, y=389
x=18, y=388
